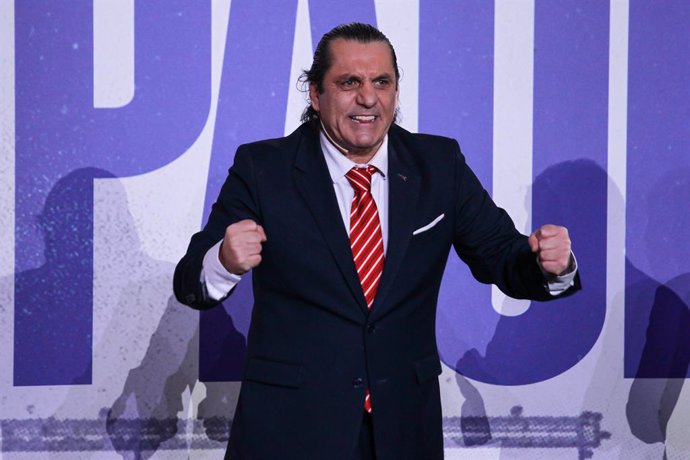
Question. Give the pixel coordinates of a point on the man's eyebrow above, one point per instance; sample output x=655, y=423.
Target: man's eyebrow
x=347, y=76
x=384, y=75
x=356, y=76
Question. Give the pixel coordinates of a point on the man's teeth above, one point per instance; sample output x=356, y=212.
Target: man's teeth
x=364, y=117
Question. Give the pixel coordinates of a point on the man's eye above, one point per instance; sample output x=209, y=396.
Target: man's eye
x=382, y=82
x=348, y=83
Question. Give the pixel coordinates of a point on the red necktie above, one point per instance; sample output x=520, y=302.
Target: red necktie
x=366, y=239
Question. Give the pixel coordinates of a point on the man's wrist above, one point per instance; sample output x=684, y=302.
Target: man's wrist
x=557, y=284
x=217, y=279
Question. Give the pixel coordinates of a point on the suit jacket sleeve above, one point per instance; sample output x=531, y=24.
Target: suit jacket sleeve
x=486, y=239
x=237, y=201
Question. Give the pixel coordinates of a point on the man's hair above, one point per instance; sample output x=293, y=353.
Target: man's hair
x=355, y=31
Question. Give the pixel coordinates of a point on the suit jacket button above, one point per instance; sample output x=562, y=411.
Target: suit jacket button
x=371, y=327
x=358, y=382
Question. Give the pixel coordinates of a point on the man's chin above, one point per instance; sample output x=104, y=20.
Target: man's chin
x=363, y=150
x=364, y=144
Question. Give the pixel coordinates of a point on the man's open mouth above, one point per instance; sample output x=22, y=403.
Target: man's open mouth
x=363, y=118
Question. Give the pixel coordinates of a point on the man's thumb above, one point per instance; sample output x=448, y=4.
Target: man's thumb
x=533, y=241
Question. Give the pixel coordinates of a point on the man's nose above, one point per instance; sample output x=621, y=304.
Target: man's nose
x=366, y=96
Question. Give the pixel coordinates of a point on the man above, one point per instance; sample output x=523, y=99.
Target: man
x=347, y=224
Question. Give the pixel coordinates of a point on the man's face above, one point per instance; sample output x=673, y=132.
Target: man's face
x=359, y=96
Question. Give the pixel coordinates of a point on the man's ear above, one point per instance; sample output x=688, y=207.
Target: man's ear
x=314, y=96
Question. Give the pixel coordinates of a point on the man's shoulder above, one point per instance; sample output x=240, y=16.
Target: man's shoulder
x=400, y=134
x=424, y=147
x=285, y=143
x=277, y=152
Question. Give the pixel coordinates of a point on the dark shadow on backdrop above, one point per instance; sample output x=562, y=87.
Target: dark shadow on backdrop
x=551, y=337
x=554, y=335
x=658, y=314
x=54, y=333
x=146, y=413
x=53, y=326
x=474, y=424
x=222, y=347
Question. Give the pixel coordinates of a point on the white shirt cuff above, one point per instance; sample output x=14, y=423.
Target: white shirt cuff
x=559, y=284
x=217, y=280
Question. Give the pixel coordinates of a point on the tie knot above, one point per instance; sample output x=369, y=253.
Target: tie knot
x=360, y=178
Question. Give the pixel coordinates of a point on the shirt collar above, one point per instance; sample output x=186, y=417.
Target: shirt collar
x=338, y=164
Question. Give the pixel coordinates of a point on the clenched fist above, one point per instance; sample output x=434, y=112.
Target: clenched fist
x=551, y=244
x=241, y=247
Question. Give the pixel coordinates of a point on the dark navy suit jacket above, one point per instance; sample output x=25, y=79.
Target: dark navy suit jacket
x=313, y=347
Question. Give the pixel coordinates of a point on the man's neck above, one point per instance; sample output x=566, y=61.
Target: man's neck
x=353, y=155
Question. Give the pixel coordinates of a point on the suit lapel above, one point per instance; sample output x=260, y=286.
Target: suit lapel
x=314, y=184
x=403, y=193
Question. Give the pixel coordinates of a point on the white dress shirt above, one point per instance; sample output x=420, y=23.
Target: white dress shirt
x=219, y=282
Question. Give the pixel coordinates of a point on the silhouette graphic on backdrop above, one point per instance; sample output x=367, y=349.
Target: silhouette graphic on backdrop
x=53, y=332
x=658, y=315
x=131, y=290
x=474, y=424
x=524, y=345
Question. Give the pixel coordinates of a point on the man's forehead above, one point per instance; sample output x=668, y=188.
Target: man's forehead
x=349, y=52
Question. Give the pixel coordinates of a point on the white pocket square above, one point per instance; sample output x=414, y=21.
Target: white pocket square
x=429, y=225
